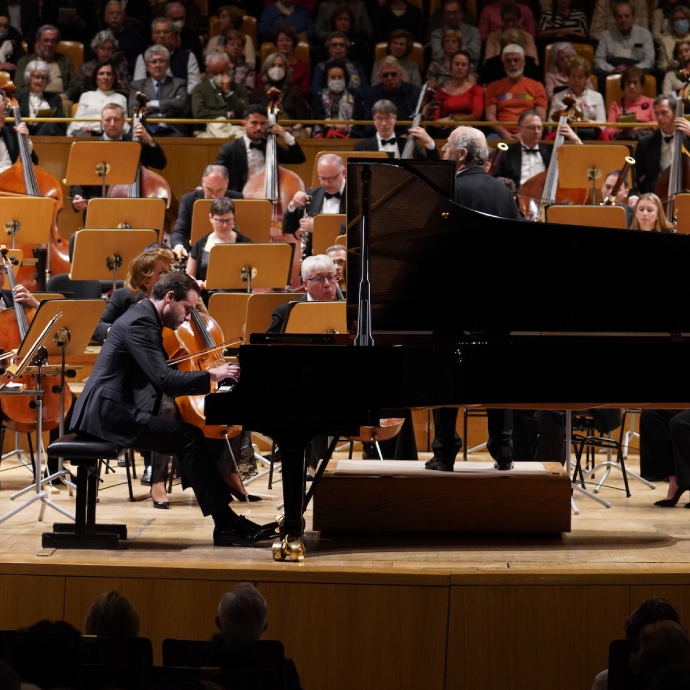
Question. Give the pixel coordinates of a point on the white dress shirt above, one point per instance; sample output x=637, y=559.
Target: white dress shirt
x=332, y=205
x=388, y=148
x=532, y=163
x=256, y=160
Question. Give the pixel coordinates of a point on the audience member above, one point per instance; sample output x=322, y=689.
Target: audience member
x=343, y=20
x=625, y=45
x=510, y=16
x=556, y=77
x=219, y=98
x=680, y=31
x=181, y=63
x=589, y=102
x=9, y=678
x=494, y=69
x=335, y=102
x=276, y=72
x=127, y=37
x=230, y=18
x=91, y=103
x=241, y=70
x=634, y=106
x=674, y=81
x=662, y=644
x=246, y=157
x=604, y=19
x=37, y=102
x=507, y=98
x=25, y=16
x=286, y=40
x=11, y=49
x=392, y=88
x=453, y=14
x=63, y=78
x=358, y=8
x=400, y=44
x=186, y=37
x=674, y=677
x=490, y=18
x=661, y=17
x=286, y=12
x=104, y=45
x=112, y=615
x=438, y=71
x=338, y=47
x=562, y=22
x=398, y=14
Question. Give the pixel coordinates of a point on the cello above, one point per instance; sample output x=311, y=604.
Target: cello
x=542, y=190
x=18, y=413
x=278, y=185
x=24, y=178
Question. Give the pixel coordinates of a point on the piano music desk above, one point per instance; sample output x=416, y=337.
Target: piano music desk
x=401, y=496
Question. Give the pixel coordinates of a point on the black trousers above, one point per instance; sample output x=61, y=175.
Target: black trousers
x=665, y=444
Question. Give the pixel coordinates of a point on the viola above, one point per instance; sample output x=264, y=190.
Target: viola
x=17, y=412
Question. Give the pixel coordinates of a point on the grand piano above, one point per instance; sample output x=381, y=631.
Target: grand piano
x=464, y=308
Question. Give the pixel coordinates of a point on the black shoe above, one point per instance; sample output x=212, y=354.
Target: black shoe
x=439, y=465
x=243, y=532
x=671, y=502
x=242, y=498
x=503, y=464
x=162, y=505
x=146, y=477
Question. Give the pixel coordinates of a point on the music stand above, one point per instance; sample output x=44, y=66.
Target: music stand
x=591, y=216
x=246, y=266
x=27, y=219
x=107, y=251
x=581, y=167
x=252, y=218
x=681, y=208
x=125, y=213
x=326, y=231
x=316, y=317
x=102, y=163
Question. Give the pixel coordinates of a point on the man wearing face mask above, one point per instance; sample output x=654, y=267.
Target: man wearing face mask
x=219, y=97
x=187, y=38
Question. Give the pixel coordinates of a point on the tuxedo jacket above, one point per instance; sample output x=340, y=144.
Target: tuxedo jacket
x=234, y=157
x=280, y=314
x=7, y=298
x=511, y=163
x=173, y=101
x=129, y=378
x=183, y=227
x=648, y=161
x=477, y=190
x=291, y=219
x=420, y=153
x=9, y=137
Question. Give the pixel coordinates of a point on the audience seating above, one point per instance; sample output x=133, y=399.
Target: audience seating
x=417, y=54
x=249, y=27
x=302, y=51
x=614, y=91
x=621, y=676
x=4, y=78
x=75, y=50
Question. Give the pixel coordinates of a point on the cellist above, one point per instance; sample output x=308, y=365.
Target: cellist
x=113, y=123
x=9, y=145
x=21, y=294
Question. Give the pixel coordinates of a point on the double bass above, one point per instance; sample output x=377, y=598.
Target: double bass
x=278, y=185
x=26, y=179
x=18, y=413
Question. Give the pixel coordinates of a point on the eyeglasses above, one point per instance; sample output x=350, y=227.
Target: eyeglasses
x=383, y=118
x=39, y=76
x=532, y=128
x=222, y=221
x=329, y=179
x=320, y=279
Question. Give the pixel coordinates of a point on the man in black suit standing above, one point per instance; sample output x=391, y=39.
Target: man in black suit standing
x=246, y=157
x=166, y=96
x=655, y=151
x=124, y=391
x=328, y=198
x=214, y=185
x=385, y=115
x=112, y=124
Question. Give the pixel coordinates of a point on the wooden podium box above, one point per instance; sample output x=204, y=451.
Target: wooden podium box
x=401, y=496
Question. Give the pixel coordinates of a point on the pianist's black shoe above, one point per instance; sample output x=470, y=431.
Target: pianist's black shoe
x=503, y=464
x=439, y=465
x=242, y=532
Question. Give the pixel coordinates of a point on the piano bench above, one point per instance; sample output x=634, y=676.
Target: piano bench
x=85, y=533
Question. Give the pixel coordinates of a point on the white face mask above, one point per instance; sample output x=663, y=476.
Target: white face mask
x=336, y=85
x=276, y=73
x=178, y=24
x=217, y=79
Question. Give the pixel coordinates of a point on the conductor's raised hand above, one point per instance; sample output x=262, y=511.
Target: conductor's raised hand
x=225, y=371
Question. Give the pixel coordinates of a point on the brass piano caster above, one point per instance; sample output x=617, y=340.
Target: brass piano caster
x=288, y=549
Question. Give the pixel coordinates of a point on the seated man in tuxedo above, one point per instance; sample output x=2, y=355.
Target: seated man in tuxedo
x=385, y=115
x=246, y=157
x=621, y=197
x=214, y=185
x=338, y=254
x=653, y=154
x=528, y=157
x=9, y=143
x=113, y=123
x=328, y=198
x=166, y=96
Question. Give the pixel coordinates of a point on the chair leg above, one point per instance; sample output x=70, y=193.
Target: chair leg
x=129, y=460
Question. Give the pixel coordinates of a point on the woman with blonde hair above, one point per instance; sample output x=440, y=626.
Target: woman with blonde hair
x=650, y=216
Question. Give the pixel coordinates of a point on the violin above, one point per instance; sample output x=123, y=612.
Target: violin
x=278, y=185
x=18, y=414
x=26, y=179
x=197, y=345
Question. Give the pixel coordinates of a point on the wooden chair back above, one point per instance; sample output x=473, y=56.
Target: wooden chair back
x=75, y=49
x=417, y=54
x=302, y=51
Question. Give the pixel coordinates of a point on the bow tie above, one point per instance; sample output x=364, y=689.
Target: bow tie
x=526, y=150
x=256, y=146
x=337, y=195
x=386, y=142
x=668, y=139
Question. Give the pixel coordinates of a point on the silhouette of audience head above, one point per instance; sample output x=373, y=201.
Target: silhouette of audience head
x=650, y=611
x=242, y=613
x=676, y=677
x=662, y=644
x=9, y=678
x=112, y=615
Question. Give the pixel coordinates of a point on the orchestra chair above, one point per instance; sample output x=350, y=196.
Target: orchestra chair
x=681, y=207
x=213, y=26
x=592, y=216
x=4, y=78
x=326, y=231
x=385, y=431
x=80, y=289
x=614, y=91
x=229, y=309
x=75, y=49
x=316, y=317
x=584, y=50
x=344, y=155
x=302, y=51
x=85, y=533
x=621, y=676
x=341, y=239
x=417, y=54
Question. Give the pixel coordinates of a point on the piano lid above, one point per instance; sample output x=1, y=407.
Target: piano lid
x=438, y=266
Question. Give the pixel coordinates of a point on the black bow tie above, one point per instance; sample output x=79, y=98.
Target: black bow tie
x=386, y=142
x=526, y=150
x=668, y=139
x=337, y=195
x=257, y=146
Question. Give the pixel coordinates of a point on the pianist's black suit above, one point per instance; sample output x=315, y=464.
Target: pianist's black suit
x=476, y=189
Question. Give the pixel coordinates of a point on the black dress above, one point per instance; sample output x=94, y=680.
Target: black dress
x=197, y=252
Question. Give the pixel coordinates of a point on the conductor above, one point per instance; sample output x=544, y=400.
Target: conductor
x=123, y=393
